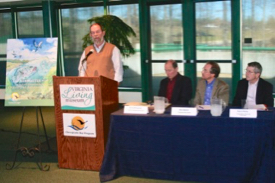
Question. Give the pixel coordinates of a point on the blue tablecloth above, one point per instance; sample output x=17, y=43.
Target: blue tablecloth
x=201, y=148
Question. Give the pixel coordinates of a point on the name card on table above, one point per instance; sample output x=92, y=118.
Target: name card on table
x=136, y=110
x=243, y=113
x=184, y=111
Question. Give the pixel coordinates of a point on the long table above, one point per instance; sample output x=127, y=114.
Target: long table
x=196, y=148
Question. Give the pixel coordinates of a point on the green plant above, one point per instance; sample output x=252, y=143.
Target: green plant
x=116, y=32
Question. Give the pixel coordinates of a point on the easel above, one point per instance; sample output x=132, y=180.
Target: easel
x=30, y=152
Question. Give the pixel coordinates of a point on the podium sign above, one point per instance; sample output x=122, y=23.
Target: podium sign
x=77, y=97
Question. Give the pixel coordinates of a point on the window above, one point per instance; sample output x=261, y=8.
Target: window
x=132, y=70
x=30, y=24
x=213, y=30
x=166, y=32
x=259, y=38
x=5, y=33
x=166, y=39
x=74, y=28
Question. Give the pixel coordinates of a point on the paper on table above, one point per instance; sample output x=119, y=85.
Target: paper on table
x=136, y=104
x=203, y=107
x=260, y=107
x=151, y=107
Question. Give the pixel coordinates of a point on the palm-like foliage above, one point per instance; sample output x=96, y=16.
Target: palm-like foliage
x=116, y=32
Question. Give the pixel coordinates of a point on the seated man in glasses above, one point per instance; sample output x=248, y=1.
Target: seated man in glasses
x=210, y=86
x=176, y=88
x=254, y=89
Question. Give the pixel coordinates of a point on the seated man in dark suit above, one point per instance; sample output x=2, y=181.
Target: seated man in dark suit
x=176, y=88
x=254, y=89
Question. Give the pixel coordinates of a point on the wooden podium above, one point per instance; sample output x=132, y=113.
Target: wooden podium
x=82, y=152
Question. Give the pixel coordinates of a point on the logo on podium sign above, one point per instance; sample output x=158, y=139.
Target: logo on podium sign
x=77, y=97
x=79, y=125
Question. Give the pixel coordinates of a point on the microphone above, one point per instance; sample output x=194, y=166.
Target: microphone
x=89, y=53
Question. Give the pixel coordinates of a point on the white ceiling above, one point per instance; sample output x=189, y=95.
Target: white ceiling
x=8, y=3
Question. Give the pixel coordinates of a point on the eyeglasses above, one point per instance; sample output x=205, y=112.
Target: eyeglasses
x=95, y=32
x=248, y=71
x=204, y=70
